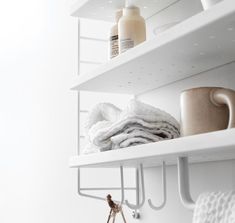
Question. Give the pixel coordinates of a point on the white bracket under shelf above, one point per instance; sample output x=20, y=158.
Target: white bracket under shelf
x=183, y=181
x=139, y=178
x=136, y=214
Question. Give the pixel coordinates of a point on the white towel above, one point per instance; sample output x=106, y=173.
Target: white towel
x=139, y=123
x=102, y=112
x=147, y=112
x=215, y=207
x=102, y=136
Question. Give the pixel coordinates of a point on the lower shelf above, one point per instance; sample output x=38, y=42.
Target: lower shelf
x=212, y=146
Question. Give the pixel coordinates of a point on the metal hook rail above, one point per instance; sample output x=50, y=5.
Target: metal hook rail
x=183, y=181
x=136, y=214
x=156, y=208
x=139, y=204
x=183, y=185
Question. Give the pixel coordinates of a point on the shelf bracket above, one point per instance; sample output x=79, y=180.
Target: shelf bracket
x=183, y=183
x=102, y=198
x=156, y=208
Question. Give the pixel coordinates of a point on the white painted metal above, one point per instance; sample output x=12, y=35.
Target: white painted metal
x=183, y=183
x=122, y=185
x=105, y=10
x=105, y=188
x=200, y=43
x=122, y=188
x=162, y=205
x=140, y=204
x=136, y=213
x=212, y=146
x=78, y=94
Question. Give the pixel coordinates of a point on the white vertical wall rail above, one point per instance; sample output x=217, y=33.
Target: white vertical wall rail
x=78, y=53
x=78, y=96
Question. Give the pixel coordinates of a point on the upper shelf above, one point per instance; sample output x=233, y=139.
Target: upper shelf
x=212, y=146
x=198, y=44
x=105, y=10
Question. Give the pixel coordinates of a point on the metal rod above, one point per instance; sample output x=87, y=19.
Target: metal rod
x=97, y=197
x=106, y=188
x=78, y=94
x=122, y=185
x=137, y=187
x=163, y=190
x=83, y=194
x=79, y=53
x=78, y=123
x=90, y=62
x=183, y=182
x=136, y=213
x=93, y=39
x=138, y=206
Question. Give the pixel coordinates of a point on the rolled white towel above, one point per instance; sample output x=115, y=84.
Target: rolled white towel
x=215, y=207
x=102, y=136
x=102, y=112
x=147, y=113
x=109, y=128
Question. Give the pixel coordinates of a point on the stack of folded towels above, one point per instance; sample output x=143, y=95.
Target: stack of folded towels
x=109, y=128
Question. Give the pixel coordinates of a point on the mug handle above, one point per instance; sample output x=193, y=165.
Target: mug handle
x=223, y=96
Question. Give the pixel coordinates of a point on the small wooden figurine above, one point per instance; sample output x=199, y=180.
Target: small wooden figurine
x=114, y=210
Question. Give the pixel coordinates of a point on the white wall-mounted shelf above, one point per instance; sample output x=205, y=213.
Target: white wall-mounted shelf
x=105, y=10
x=198, y=44
x=212, y=146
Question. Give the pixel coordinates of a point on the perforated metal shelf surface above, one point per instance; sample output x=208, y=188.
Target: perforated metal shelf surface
x=200, y=43
x=105, y=10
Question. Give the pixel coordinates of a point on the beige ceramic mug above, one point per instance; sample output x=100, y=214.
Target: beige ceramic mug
x=207, y=109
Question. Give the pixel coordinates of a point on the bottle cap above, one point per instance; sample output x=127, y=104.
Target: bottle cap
x=131, y=10
x=118, y=15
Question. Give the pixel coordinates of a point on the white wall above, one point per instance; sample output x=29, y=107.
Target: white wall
x=37, y=112
x=38, y=118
